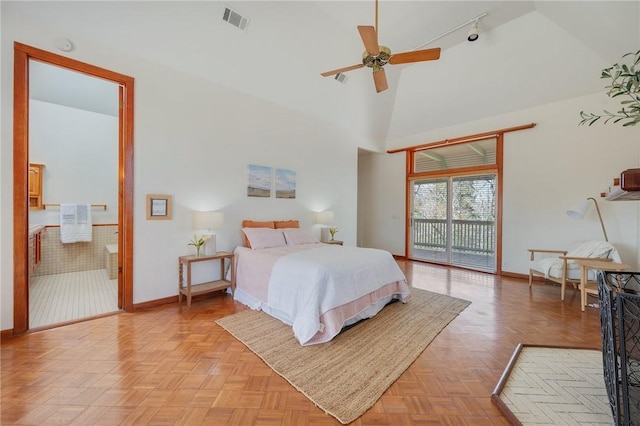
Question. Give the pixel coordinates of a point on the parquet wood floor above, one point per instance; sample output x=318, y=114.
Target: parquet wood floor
x=167, y=366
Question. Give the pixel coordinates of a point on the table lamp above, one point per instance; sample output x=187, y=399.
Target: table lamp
x=324, y=218
x=207, y=222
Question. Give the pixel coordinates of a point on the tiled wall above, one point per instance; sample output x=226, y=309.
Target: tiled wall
x=58, y=258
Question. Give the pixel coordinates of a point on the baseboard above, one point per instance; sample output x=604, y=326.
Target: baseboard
x=156, y=302
x=6, y=334
x=171, y=299
x=521, y=276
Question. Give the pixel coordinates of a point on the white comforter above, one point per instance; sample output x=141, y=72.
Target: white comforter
x=305, y=282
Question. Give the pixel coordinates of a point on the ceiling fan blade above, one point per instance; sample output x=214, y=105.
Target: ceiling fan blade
x=415, y=56
x=370, y=39
x=340, y=70
x=380, y=80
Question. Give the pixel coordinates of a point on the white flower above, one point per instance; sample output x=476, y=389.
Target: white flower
x=198, y=242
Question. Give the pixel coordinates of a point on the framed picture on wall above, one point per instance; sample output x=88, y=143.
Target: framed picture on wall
x=285, y=183
x=158, y=207
x=259, y=181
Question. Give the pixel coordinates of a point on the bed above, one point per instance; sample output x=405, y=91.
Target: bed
x=315, y=288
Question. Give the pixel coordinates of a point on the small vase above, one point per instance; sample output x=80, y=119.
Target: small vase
x=198, y=251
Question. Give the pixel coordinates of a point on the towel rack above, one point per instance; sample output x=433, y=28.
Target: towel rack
x=44, y=206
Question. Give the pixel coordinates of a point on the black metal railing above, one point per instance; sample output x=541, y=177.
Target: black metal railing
x=619, y=305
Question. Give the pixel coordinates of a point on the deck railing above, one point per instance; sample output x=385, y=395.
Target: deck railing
x=469, y=236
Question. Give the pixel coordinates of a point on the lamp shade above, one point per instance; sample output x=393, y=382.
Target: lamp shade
x=207, y=220
x=324, y=218
x=579, y=210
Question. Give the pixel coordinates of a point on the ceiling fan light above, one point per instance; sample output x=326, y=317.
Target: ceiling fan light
x=473, y=32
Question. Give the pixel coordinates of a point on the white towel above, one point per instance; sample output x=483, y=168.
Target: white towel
x=68, y=223
x=84, y=228
x=75, y=223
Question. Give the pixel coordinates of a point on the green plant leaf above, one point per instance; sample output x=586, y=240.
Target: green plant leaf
x=625, y=82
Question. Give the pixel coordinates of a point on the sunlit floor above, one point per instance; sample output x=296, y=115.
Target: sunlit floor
x=170, y=365
x=66, y=297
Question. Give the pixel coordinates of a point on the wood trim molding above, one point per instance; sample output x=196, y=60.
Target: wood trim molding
x=22, y=55
x=496, y=168
x=20, y=191
x=6, y=334
x=463, y=139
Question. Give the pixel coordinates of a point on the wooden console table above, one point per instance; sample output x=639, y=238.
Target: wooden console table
x=189, y=290
x=602, y=265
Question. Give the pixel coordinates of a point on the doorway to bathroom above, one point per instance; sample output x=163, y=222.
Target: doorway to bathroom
x=71, y=152
x=73, y=195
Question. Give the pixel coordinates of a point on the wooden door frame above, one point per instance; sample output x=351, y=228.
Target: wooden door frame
x=496, y=169
x=22, y=55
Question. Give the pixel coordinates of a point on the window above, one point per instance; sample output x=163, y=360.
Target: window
x=454, y=204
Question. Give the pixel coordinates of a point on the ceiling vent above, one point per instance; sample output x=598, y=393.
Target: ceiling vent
x=235, y=18
x=341, y=77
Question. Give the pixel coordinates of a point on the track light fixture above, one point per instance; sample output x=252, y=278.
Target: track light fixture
x=473, y=32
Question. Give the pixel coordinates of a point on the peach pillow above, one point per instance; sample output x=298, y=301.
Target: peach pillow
x=257, y=224
x=287, y=224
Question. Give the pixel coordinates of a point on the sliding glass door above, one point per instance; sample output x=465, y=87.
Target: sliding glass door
x=453, y=221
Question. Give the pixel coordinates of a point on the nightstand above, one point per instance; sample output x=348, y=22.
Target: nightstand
x=185, y=262
x=338, y=242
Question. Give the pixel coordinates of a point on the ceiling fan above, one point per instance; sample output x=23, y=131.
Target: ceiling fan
x=376, y=56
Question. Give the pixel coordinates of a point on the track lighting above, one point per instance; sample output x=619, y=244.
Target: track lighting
x=473, y=32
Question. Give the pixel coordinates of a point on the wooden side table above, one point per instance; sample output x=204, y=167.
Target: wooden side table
x=189, y=290
x=587, y=264
x=338, y=242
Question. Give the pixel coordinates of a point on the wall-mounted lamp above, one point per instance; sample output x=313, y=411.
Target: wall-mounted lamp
x=324, y=218
x=580, y=210
x=207, y=222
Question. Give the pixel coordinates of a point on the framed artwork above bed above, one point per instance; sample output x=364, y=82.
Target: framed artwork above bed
x=259, y=181
x=285, y=183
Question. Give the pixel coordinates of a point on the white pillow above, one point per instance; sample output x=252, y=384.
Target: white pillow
x=593, y=249
x=296, y=236
x=260, y=238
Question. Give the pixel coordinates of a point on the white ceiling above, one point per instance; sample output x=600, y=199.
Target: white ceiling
x=529, y=53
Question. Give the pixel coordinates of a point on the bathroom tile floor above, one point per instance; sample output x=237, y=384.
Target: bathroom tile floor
x=70, y=296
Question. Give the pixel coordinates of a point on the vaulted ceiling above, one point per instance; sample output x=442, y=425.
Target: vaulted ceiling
x=529, y=53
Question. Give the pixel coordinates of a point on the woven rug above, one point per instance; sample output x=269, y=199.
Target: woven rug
x=346, y=376
x=554, y=386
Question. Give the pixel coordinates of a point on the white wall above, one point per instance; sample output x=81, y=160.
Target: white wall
x=79, y=150
x=192, y=140
x=547, y=170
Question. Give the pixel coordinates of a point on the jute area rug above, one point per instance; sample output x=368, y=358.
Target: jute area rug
x=346, y=376
x=554, y=386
